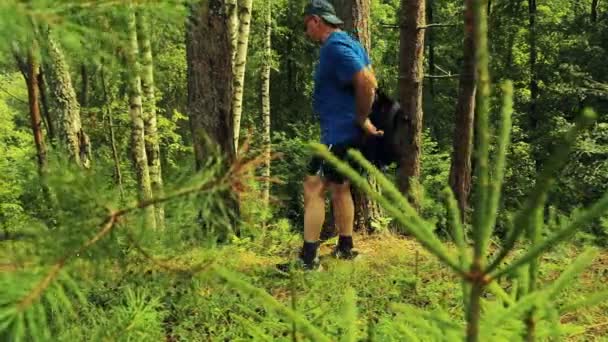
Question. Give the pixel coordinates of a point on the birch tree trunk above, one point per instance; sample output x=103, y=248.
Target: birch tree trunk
x=149, y=116
x=411, y=55
x=71, y=134
x=138, y=146
x=265, y=80
x=232, y=10
x=240, y=63
x=460, y=170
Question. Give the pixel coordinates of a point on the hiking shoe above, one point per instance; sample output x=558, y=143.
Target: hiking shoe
x=299, y=264
x=350, y=254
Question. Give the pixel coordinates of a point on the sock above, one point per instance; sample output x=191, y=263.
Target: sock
x=309, y=251
x=345, y=243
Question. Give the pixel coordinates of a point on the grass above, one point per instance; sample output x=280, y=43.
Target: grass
x=391, y=270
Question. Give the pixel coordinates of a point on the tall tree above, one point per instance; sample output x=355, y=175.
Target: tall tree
x=210, y=81
x=594, y=4
x=430, y=36
x=356, y=17
x=232, y=8
x=265, y=81
x=35, y=118
x=411, y=54
x=210, y=75
x=44, y=105
x=138, y=145
x=149, y=116
x=111, y=136
x=460, y=171
x=240, y=61
x=71, y=134
x=534, y=120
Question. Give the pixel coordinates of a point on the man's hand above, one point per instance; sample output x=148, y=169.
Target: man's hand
x=370, y=129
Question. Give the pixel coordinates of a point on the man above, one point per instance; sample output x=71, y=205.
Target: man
x=344, y=88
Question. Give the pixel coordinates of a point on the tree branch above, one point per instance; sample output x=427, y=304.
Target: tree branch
x=442, y=76
x=435, y=25
x=235, y=178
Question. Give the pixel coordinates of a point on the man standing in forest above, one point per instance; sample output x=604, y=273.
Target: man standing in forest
x=344, y=89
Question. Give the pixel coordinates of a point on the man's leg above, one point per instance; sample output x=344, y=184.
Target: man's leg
x=314, y=215
x=344, y=214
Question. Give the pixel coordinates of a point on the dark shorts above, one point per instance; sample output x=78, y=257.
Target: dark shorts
x=321, y=167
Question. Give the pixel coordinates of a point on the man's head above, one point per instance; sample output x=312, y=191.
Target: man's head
x=320, y=19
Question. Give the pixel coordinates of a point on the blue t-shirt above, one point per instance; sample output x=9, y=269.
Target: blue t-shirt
x=341, y=57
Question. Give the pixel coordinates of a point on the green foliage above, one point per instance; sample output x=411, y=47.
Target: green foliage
x=128, y=283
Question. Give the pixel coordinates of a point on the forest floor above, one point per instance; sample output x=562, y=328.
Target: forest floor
x=395, y=269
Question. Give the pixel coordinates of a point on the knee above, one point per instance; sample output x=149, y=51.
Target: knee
x=313, y=188
x=340, y=190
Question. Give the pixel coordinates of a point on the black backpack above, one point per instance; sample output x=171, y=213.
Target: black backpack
x=386, y=115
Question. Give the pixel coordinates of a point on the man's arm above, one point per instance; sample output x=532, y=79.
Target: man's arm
x=365, y=85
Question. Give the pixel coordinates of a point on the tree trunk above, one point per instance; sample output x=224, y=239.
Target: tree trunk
x=210, y=77
x=71, y=134
x=108, y=114
x=594, y=5
x=149, y=115
x=210, y=82
x=232, y=8
x=265, y=80
x=356, y=14
x=36, y=120
x=411, y=54
x=460, y=170
x=138, y=145
x=534, y=119
x=44, y=104
x=240, y=63
x=430, y=36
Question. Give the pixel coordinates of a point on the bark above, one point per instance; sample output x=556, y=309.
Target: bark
x=71, y=134
x=355, y=14
x=265, y=80
x=138, y=146
x=44, y=104
x=460, y=171
x=210, y=77
x=240, y=63
x=149, y=115
x=232, y=8
x=411, y=55
x=210, y=82
x=36, y=120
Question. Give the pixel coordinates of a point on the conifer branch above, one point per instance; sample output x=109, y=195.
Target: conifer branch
x=543, y=183
x=579, y=221
x=415, y=224
x=234, y=179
